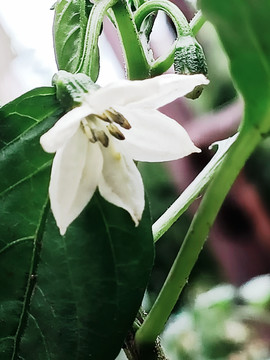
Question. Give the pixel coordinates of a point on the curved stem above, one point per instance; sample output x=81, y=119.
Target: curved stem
x=138, y=3
x=192, y=191
x=89, y=64
x=162, y=64
x=136, y=62
x=248, y=139
x=180, y=22
x=197, y=22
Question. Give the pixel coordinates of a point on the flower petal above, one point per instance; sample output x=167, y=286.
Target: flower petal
x=121, y=183
x=63, y=129
x=154, y=136
x=150, y=93
x=75, y=174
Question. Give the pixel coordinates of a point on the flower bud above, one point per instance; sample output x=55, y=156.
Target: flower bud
x=71, y=88
x=189, y=59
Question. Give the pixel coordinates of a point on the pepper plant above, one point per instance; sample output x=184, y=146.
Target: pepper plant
x=77, y=239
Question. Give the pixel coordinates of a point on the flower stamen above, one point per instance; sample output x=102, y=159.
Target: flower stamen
x=116, y=117
x=92, y=132
x=100, y=117
x=88, y=131
x=94, y=135
x=114, y=131
x=101, y=137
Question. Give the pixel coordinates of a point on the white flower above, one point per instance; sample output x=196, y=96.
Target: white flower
x=96, y=143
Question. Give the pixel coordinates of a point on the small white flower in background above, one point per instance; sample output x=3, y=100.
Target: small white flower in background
x=96, y=143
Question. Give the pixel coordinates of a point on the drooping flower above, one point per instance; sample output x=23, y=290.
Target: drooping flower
x=97, y=142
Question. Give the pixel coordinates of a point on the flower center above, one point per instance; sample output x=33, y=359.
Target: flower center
x=97, y=132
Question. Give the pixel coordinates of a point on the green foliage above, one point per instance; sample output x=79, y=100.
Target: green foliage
x=161, y=193
x=72, y=297
x=248, y=53
x=220, y=323
x=257, y=171
x=23, y=186
x=69, y=32
x=242, y=26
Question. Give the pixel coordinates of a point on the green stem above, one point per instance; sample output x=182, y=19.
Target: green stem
x=239, y=152
x=192, y=191
x=197, y=22
x=136, y=62
x=138, y=3
x=90, y=58
x=163, y=63
x=180, y=22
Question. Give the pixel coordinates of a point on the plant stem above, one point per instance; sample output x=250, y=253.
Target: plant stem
x=152, y=352
x=180, y=22
x=197, y=22
x=138, y=3
x=162, y=64
x=192, y=191
x=239, y=152
x=89, y=64
x=136, y=61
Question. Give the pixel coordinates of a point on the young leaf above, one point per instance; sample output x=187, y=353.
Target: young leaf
x=70, y=24
x=72, y=297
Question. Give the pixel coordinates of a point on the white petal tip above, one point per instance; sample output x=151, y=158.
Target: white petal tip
x=46, y=145
x=189, y=150
x=62, y=230
x=197, y=150
x=206, y=81
x=202, y=80
x=136, y=221
x=136, y=217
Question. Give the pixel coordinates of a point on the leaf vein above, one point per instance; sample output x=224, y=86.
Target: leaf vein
x=13, y=186
x=46, y=300
x=73, y=292
x=31, y=281
x=15, y=242
x=42, y=335
x=113, y=251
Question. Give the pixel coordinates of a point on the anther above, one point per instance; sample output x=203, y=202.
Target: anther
x=88, y=131
x=101, y=137
x=114, y=131
x=117, y=117
x=100, y=117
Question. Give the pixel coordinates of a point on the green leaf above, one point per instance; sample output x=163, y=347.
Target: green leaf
x=90, y=285
x=69, y=32
x=25, y=169
x=242, y=26
x=72, y=297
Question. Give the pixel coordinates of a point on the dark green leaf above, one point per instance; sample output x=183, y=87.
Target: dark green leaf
x=25, y=112
x=243, y=29
x=23, y=194
x=69, y=32
x=71, y=297
x=90, y=285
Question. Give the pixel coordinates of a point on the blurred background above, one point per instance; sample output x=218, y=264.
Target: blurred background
x=224, y=312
